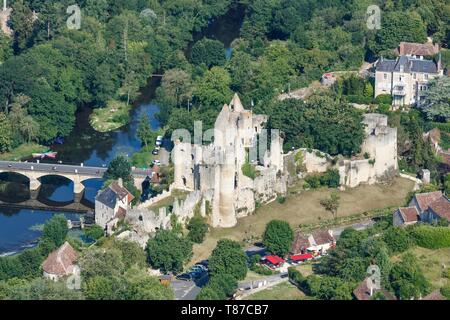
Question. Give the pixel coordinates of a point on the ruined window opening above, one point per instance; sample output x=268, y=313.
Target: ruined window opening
x=140, y=218
x=235, y=180
x=184, y=181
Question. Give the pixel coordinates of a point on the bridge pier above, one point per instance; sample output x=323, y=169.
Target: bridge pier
x=78, y=191
x=35, y=184
x=34, y=194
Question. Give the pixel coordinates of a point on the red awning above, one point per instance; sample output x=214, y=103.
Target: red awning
x=274, y=259
x=302, y=257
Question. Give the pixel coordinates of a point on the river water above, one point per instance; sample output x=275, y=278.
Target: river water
x=92, y=148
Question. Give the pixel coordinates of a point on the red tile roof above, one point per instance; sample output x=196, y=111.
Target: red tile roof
x=409, y=214
x=120, y=191
x=417, y=49
x=441, y=207
x=61, y=261
x=425, y=199
x=301, y=257
x=300, y=243
x=274, y=259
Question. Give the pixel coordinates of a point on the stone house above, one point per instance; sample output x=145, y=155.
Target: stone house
x=406, y=78
x=61, y=263
x=417, y=49
x=405, y=216
x=426, y=207
x=111, y=205
x=318, y=242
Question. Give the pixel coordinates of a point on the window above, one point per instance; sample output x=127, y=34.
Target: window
x=415, y=75
x=426, y=76
x=385, y=76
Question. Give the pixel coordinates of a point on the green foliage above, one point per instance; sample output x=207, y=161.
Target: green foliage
x=431, y=237
x=445, y=291
x=37, y=289
x=209, y=52
x=332, y=203
x=437, y=102
x=328, y=288
x=119, y=168
x=331, y=178
x=296, y=277
x=102, y=263
x=228, y=258
x=5, y=134
x=56, y=230
x=248, y=170
x=398, y=239
x=383, y=99
x=208, y=293
x=132, y=254
x=144, y=131
x=94, y=232
x=278, y=237
x=198, y=228
x=407, y=279
x=168, y=251
x=321, y=123
x=224, y=284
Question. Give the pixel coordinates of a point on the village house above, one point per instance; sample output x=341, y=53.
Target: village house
x=318, y=242
x=426, y=207
x=366, y=291
x=405, y=216
x=111, y=205
x=61, y=263
x=406, y=78
x=428, y=49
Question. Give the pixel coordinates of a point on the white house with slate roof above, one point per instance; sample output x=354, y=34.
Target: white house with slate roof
x=111, y=205
x=406, y=78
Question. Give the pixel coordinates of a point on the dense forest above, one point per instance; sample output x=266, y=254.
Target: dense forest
x=48, y=71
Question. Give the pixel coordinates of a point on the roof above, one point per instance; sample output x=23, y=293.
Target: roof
x=417, y=49
x=322, y=237
x=409, y=214
x=425, y=199
x=274, y=259
x=407, y=64
x=121, y=213
x=300, y=242
x=441, y=207
x=61, y=261
x=435, y=295
x=114, y=192
x=301, y=257
x=362, y=292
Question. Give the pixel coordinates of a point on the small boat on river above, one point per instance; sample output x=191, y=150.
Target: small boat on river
x=49, y=154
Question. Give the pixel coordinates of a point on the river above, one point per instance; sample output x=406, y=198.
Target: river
x=85, y=145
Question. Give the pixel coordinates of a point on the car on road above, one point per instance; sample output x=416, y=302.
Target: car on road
x=159, y=140
x=199, y=268
x=184, y=277
x=156, y=162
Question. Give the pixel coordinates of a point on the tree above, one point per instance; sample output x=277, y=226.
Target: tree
x=119, y=168
x=407, y=279
x=198, y=228
x=99, y=262
x=397, y=239
x=143, y=287
x=37, y=289
x=5, y=133
x=144, y=131
x=56, y=230
x=225, y=284
x=278, y=237
x=208, y=293
x=213, y=89
x=132, y=254
x=447, y=184
x=437, y=102
x=22, y=24
x=94, y=232
x=228, y=258
x=168, y=251
x=175, y=89
x=104, y=288
x=331, y=204
x=209, y=52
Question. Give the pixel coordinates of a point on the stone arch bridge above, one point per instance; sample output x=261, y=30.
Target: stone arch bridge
x=34, y=171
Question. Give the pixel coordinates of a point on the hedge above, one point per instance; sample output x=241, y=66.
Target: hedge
x=432, y=237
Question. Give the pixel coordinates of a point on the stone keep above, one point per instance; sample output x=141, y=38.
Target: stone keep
x=217, y=168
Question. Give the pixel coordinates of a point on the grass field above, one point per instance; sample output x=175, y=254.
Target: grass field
x=432, y=263
x=305, y=208
x=112, y=117
x=23, y=151
x=281, y=291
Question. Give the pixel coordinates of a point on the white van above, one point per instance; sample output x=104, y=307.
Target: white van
x=159, y=140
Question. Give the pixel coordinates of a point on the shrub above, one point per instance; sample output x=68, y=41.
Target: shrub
x=445, y=291
x=383, y=99
x=94, y=232
x=281, y=199
x=397, y=239
x=248, y=170
x=432, y=237
x=331, y=178
x=295, y=276
x=313, y=181
x=198, y=228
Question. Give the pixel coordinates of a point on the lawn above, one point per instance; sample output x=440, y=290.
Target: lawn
x=305, y=208
x=22, y=151
x=432, y=263
x=281, y=291
x=112, y=117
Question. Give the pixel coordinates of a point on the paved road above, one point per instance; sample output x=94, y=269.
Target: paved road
x=357, y=226
x=188, y=290
x=63, y=169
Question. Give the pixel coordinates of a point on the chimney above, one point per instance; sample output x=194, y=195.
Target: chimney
x=120, y=182
x=4, y=5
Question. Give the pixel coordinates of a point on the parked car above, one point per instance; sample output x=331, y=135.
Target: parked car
x=156, y=162
x=184, y=277
x=159, y=140
x=156, y=151
x=199, y=267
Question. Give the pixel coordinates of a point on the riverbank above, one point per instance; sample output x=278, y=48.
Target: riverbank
x=23, y=151
x=114, y=116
